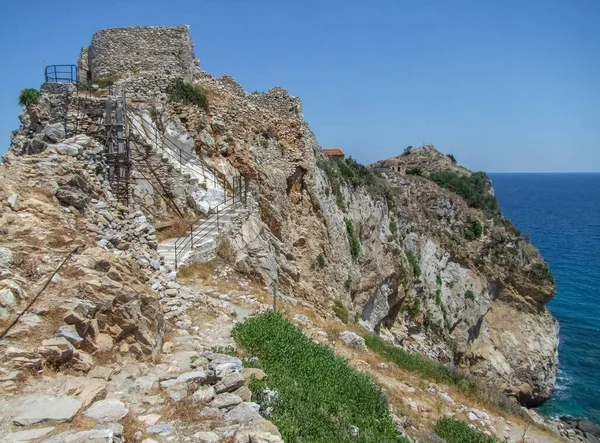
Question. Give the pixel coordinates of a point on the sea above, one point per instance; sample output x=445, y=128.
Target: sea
x=561, y=215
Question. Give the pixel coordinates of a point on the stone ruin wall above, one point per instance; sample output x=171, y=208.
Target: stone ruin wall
x=165, y=50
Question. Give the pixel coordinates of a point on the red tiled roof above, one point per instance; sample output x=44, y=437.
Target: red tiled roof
x=333, y=151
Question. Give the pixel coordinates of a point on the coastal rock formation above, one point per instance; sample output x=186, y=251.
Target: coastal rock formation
x=413, y=248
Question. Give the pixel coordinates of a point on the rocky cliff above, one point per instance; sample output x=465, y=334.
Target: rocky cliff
x=414, y=248
x=406, y=254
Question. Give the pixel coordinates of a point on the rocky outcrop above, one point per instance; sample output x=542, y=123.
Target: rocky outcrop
x=396, y=250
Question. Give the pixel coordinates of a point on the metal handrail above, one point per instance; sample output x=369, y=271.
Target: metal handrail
x=184, y=244
x=61, y=73
x=170, y=146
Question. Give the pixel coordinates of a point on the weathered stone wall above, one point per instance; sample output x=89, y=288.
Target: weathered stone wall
x=161, y=49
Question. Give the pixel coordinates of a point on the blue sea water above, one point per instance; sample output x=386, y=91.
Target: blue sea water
x=561, y=214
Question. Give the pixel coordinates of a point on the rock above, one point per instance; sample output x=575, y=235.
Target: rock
x=353, y=339
x=244, y=392
x=57, y=350
x=150, y=419
x=101, y=372
x=7, y=299
x=67, y=149
x=161, y=429
x=72, y=197
x=226, y=401
x=207, y=437
x=6, y=257
x=244, y=413
x=229, y=383
x=250, y=374
x=49, y=409
x=27, y=435
x=588, y=427
x=14, y=202
x=82, y=361
x=194, y=376
x=224, y=365
x=54, y=132
x=68, y=332
x=109, y=410
x=204, y=395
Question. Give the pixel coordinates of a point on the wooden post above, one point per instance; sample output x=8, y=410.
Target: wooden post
x=274, y=287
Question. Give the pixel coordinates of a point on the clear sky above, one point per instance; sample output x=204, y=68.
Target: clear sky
x=503, y=85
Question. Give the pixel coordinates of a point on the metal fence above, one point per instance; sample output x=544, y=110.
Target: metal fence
x=61, y=74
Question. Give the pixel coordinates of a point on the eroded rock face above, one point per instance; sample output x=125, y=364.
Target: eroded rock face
x=417, y=280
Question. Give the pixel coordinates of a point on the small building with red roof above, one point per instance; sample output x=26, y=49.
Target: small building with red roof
x=334, y=152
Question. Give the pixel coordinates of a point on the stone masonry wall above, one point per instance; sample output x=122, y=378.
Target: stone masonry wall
x=160, y=49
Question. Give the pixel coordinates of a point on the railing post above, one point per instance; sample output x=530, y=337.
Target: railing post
x=176, y=256
x=233, y=190
x=192, y=235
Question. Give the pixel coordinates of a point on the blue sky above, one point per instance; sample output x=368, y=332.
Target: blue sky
x=503, y=85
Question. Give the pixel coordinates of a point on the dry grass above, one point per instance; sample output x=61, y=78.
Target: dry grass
x=133, y=429
x=198, y=271
x=177, y=228
x=28, y=265
x=225, y=249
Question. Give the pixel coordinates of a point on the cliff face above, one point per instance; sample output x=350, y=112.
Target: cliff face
x=436, y=272
x=430, y=270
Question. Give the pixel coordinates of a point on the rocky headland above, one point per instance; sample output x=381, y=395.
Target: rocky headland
x=130, y=338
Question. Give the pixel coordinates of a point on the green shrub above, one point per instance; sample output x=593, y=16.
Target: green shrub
x=425, y=368
x=470, y=294
x=393, y=226
x=474, y=230
x=438, y=297
x=105, y=82
x=452, y=158
x=180, y=91
x=454, y=431
x=414, y=171
x=321, y=261
x=356, y=317
x=228, y=350
x=414, y=263
x=282, y=148
x=340, y=311
x=353, y=239
x=541, y=271
x=438, y=279
x=415, y=308
x=339, y=200
x=348, y=284
x=474, y=188
x=29, y=96
x=319, y=397
x=14, y=132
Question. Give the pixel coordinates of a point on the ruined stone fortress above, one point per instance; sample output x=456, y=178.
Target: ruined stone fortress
x=143, y=57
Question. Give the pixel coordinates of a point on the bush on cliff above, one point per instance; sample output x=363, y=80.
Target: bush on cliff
x=454, y=431
x=319, y=398
x=29, y=96
x=180, y=91
x=474, y=188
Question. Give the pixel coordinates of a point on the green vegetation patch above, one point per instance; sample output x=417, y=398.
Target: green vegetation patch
x=319, y=397
x=422, y=366
x=414, y=263
x=454, y=431
x=340, y=311
x=321, y=261
x=180, y=91
x=474, y=188
x=29, y=96
x=393, y=226
x=353, y=239
x=452, y=158
x=473, y=231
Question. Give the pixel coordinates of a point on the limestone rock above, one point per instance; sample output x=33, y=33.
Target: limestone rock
x=229, y=383
x=352, y=339
x=27, y=435
x=14, y=202
x=226, y=401
x=204, y=395
x=109, y=410
x=57, y=350
x=6, y=256
x=49, y=409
